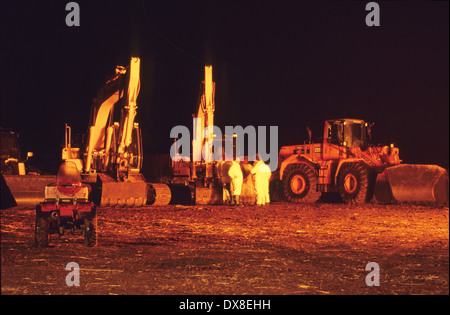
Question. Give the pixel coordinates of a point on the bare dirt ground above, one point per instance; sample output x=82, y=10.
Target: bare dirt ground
x=281, y=249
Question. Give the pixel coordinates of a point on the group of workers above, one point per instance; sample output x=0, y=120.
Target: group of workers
x=261, y=172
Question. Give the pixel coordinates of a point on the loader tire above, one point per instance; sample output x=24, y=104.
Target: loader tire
x=300, y=184
x=355, y=183
x=90, y=231
x=42, y=230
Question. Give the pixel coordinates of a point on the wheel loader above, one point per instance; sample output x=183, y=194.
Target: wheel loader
x=346, y=162
x=112, y=158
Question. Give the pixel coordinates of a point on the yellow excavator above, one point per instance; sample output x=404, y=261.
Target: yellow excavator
x=112, y=159
x=208, y=178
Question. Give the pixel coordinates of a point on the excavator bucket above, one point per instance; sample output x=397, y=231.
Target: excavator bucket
x=135, y=192
x=412, y=183
x=24, y=190
x=123, y=194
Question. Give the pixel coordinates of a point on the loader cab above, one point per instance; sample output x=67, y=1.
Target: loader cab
x=349, y=133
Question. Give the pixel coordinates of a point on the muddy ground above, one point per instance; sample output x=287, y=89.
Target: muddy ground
x=281, y=249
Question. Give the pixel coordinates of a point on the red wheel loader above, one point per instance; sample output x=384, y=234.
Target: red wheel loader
x=346, y=162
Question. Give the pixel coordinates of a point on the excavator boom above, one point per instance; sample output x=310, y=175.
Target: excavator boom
x=208, y=177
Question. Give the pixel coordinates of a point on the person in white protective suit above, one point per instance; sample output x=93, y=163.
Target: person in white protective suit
x=237, y=179
x=262, y=176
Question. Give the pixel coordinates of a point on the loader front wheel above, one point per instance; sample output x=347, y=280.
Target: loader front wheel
x=300, y=184
x=355, y=183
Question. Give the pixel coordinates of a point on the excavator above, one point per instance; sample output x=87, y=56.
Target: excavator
x=206, y=177
x=112, y=159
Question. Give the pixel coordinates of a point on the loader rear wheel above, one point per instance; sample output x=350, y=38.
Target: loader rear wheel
x=300, y=184
x=42, y=230
x=355, y=183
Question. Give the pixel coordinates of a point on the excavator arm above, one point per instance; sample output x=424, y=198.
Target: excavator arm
x=129, y=112
x=109, y=143
x=204, y=119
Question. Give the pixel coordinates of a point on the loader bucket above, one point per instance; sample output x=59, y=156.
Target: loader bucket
x=412, y=183
x=26, y=190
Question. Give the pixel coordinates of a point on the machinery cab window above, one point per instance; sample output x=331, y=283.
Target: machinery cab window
x=335, y=132
x=349, y=133
x=353, y=134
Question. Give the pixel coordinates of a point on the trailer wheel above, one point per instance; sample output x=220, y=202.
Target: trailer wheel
x=355, y=183
x=42, y=229
x=90, y=231
x=300, y=184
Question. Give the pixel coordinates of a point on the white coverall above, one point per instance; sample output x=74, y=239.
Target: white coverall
x=237, y=178
x=262, y=176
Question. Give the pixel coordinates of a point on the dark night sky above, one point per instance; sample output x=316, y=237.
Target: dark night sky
x=286, y=63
